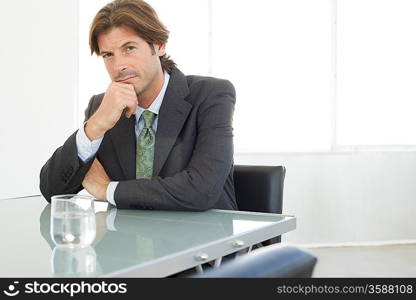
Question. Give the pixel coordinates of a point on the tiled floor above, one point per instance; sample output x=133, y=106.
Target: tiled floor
x=365, y=261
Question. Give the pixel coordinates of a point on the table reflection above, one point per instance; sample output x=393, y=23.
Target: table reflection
x=74, y=262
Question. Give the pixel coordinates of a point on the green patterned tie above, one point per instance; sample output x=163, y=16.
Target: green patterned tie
x=145, y=147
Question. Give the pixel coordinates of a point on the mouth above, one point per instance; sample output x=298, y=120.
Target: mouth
x=125, y=79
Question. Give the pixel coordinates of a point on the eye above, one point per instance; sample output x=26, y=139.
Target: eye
x=130, y=48
x=106, y=55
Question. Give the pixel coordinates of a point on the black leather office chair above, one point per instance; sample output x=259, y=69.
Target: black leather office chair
x=260, y=189
x=271, y=261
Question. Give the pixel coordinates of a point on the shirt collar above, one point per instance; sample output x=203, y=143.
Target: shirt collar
x=155, y=106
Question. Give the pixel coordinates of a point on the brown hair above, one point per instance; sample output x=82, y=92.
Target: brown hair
x=136, y=15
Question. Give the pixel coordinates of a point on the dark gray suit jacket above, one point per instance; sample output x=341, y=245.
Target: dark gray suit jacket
x=193, y=164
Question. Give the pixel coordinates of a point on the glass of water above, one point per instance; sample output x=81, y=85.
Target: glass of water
x=73, y=220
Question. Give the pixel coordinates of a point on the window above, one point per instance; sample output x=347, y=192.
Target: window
x=310, y=75
x=278, y=55
x=376, y=72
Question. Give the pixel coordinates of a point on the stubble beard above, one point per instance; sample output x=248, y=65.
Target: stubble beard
x=141, y=89
x=139, y=93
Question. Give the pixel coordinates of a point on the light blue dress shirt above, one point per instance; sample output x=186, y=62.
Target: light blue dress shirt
x=87, y=149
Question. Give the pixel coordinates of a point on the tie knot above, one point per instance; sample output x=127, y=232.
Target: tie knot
x=148, y=118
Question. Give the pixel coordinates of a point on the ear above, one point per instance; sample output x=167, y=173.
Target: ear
x=160, y=49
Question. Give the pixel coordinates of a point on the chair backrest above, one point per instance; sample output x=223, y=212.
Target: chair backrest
x=259, y=188
x=271, y=261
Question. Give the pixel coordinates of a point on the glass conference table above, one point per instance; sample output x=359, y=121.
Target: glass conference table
x=128, y=243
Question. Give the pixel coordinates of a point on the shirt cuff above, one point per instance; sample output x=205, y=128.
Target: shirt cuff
x=111, y=188
x=86, y=148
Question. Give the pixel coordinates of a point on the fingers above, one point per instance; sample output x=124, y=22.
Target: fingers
x=125, y=97
x=125, y=86
x=131, y=110
x=130, y=99
x=117, y=98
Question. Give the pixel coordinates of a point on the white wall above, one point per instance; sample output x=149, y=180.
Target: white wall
x=38, y=87
x=347, y=197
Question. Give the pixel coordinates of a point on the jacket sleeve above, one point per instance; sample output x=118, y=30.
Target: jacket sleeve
x=199, y=186
x=64, y=172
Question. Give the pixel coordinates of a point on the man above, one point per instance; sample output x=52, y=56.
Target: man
x=156, y=139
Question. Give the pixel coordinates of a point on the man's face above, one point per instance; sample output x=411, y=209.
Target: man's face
x=129, y=59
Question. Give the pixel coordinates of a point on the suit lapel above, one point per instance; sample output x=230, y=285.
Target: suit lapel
x=123, y=137
x=172, y=115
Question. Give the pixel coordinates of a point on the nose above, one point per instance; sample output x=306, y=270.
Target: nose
x=119, y=64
